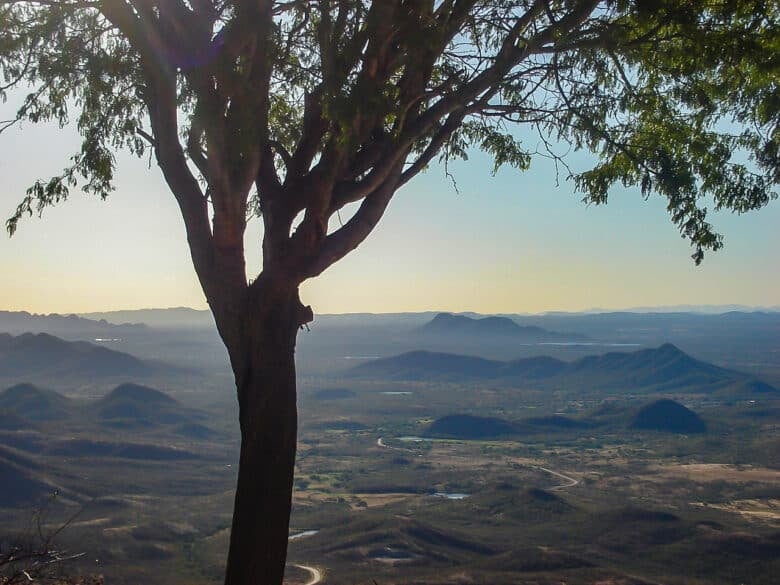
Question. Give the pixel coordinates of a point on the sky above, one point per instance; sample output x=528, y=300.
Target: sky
x=510, y=243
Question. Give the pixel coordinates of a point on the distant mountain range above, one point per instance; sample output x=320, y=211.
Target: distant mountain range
x=447, y=326
x=665, y=368
x=185, y=318
x=17, y=322
x=33, y=357
x=702, y=309
x=174, y=318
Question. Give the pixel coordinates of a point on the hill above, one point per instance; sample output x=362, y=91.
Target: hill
x=138, y=394
x=31, y=402
x=665, y=367
x=668, y=416
x=447, y=326
x=41, y=356
x=660, y=369
x=130, y=405
x=466, y=426
x=470, y=427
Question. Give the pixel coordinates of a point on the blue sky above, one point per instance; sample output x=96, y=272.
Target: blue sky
x=510, y=243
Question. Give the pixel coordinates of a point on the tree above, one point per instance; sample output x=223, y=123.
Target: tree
x=293, y=110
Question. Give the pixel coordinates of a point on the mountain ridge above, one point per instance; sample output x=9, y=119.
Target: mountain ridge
x=663, y=368
x=35, y=356
x=18, y=322
x=495, y=327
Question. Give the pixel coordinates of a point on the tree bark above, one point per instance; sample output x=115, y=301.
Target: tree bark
x=265, y=379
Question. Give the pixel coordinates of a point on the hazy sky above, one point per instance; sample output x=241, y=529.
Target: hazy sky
x=510, y=243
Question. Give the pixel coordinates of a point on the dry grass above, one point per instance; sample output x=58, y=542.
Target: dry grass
x=377, y=500
x=706, y=472
x=767, y=511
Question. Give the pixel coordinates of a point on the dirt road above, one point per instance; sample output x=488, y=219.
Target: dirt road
x=316, y=574
x=571, y=481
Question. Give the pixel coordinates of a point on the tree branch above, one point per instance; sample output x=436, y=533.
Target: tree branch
x=351, y=234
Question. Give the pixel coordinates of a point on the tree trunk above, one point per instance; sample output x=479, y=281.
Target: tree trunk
x=268, y=415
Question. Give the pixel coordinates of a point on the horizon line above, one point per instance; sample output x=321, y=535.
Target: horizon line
x=712, y=309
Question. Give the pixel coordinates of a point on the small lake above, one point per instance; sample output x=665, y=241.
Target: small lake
x=451, y=495
x=412, y=439
x=397, y=393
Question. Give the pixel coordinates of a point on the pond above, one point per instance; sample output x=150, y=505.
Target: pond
x=451, y=495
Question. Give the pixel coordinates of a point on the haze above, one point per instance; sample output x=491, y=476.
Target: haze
x=509, y=243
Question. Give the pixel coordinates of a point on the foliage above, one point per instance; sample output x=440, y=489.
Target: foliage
x=363, y=95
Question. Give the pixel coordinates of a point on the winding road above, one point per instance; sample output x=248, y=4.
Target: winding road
x=571, y=480
x=316, y=574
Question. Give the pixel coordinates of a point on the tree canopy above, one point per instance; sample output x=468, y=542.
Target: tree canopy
x=243, y=99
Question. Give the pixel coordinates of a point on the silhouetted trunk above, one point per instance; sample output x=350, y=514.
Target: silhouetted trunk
x=265, y=378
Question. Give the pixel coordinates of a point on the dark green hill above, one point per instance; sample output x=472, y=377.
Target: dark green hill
x=130, y=405
x=466, y=426
x=30, y=402
x=668, y=416
x=470, y=427
x=138, y=394
x=660, y=369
